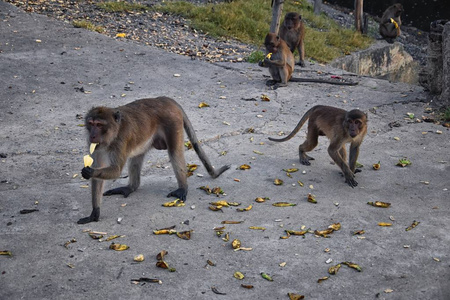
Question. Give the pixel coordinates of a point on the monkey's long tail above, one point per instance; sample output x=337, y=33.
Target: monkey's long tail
x=199, y=150
x=296, y=129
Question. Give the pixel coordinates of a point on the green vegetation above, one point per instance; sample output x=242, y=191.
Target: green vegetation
x=249, y=22
x=446, y=114
x=88, y=25
x=121, y=6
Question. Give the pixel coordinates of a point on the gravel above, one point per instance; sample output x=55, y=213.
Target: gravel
x=172, y=33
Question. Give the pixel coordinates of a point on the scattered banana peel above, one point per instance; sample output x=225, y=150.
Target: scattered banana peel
x=359, y=232
x=291, y=170
x=164, y=231
x=257, y=228
x=395, y=23
x=376, y=166
x=174, y=203
x=203, y=104
x=379, y=204
x=278, y=181
x=334, y=269
x=118, y=247
x=283, y=204
x=325, y=233
x=413, y=225
x=269, y=55
x=247, y=286
x=66, y=244
x=322, y=279
x=244, y=167
x=6, y=252
x=190, y=169
x=293, y=296
x=185, y=235
x=238, y=275
x=311, y=198
x=261, y=200
x=232, y=222
x=245, y=209
x=139, y=258
x=352, y=265
x=215, y=291
x=217, y=190
x=161, y=263
x=236, y=244
x=384, y=224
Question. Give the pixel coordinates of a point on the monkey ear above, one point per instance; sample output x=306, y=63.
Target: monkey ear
x=117, y=116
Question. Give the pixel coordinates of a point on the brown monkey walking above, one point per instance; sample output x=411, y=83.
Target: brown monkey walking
x=281, y=64
x=390, y=22
x=340, y=127
x=292, y=31
x=131, y=130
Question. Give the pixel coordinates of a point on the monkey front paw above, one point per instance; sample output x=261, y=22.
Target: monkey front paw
x=95, y=215
x=351, y=182
x=180, y=193
x=87, y=172
x=305, y=161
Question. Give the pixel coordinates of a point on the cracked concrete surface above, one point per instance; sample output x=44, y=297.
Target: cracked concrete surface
x=43, y=144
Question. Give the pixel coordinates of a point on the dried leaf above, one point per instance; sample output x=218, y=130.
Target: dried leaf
x=232, y=222
x=185, y=235
x=247, y=286
x=293, y=296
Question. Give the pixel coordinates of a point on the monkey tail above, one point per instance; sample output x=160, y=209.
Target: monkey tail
x=199, y=150
x=296, y=129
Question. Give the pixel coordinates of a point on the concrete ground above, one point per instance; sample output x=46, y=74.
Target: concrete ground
x=50, y=73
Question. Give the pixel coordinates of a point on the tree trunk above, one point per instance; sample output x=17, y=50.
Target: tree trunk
x=359, y=15
x=277, y=8
x=317, y=7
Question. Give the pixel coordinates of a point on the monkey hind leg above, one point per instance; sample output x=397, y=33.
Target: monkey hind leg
x=180, y=193
x=95, y=215
x=123, y=190
x=311, y=142
x=271, y=82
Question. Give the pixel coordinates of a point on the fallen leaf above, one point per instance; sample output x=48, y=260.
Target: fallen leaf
x=293, y=296
x=278, y=182
x=266, y=276
x=238, y=275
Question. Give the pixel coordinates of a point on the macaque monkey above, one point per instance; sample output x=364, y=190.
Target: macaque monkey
x=340, y=127
x=128, y=132
x=390, y=22
x=280, y=61
x=292, y=31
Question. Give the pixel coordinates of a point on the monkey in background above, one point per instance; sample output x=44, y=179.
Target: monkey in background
x=390, y=22
x=340, y=127
x=279, y=60
x=128, y=132
x=292, y=31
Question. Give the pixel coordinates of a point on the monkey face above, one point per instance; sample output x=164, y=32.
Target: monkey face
x=272, y=42
x=292, y=21
x=102, y=125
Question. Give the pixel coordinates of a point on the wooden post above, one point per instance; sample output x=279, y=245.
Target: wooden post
x=317, y=7
x=359, y=15
x=277, y=8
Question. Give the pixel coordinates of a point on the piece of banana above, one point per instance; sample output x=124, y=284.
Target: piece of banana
x=88, y=160
x=92, y=147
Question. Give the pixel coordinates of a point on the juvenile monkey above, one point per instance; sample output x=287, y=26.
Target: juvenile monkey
x=281, y=64
x=292, y=31
x=281, y=61
x=390, y=22
x=128, y=132
x=340, y=127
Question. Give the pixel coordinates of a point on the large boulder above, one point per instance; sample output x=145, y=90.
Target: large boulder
x=381, y=60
